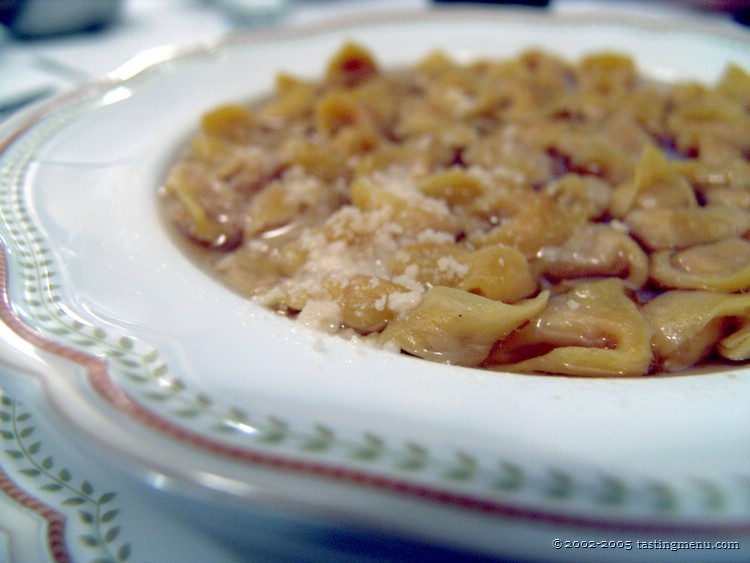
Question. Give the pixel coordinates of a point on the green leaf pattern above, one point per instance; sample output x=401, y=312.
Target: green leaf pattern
x=97, y=512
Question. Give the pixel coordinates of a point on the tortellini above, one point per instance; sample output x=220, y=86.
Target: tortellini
x=719, y=266
x=691, y=324
x=592, y=329
x=533, y=214
x=456, y=326
x=596, y=250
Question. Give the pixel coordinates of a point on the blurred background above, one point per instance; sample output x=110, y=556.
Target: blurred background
x=47, y=46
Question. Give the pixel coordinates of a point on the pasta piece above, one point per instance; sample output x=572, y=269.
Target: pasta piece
x=316, y=160
x=410, y=160
x=593, y=329
x=707, y=176
x=549, y=77
x=351, y=65
x=655, y=184
x=735, y=84
x=690, y=324
x=355, y=141
x=623, y=131
x=717, y=149
x=419, y=119
x=206, y=222
x=434, y=64
x=452, y=95
x=454, y=186
x=534, y=83
x=337, y=110
x=530, y=222
x=607, y=73
x=498, y=272
x=596, y=250
x=604, y=80
x=457, y=327
x=666, y=228
x=355, y=235
x=404, y=204
x=435, y=262
x=231, y=122
x=729, y=197
x=295, y=101
x=222, y=156
x=736, y=346
x=587, y=152
x=585, y=196
x=373, y=105
x=270, y=209
x=718, y=266
x=363, y=301
x=293, y=201
x=705, y=113
x=649, y=105
x=504, y=153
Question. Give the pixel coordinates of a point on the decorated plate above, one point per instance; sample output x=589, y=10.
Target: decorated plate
x=170, y=378
x=58, y=505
